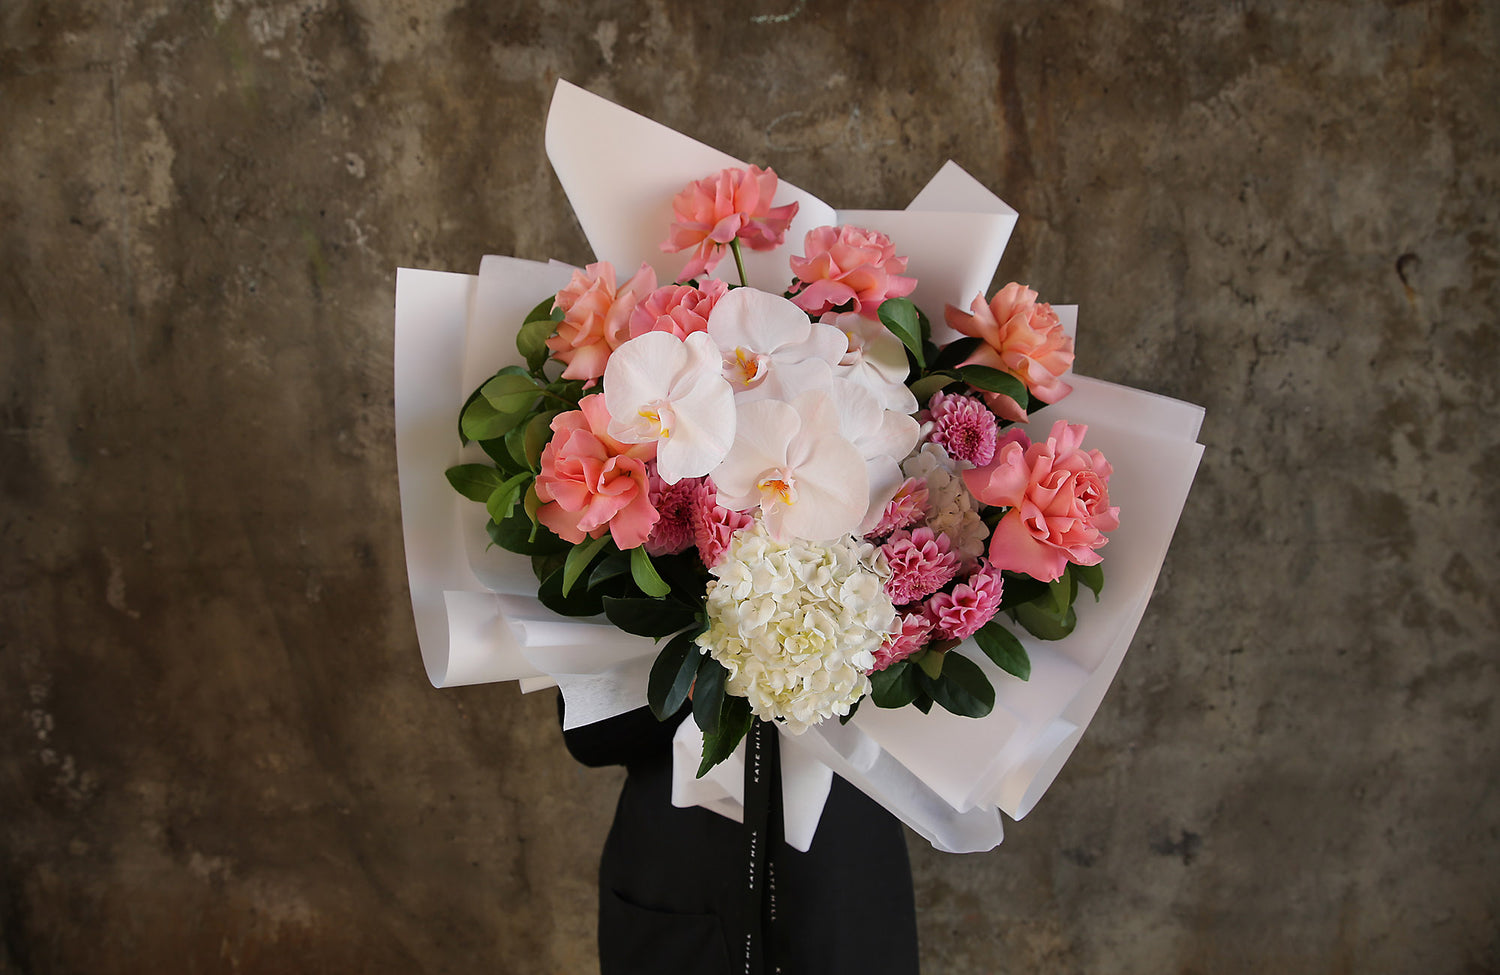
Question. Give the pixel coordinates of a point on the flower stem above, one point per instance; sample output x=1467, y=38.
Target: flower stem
x=739, y=262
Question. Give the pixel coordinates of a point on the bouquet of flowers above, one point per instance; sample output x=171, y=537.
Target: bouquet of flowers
x=788, y=494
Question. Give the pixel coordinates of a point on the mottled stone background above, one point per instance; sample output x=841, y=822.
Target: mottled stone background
x=218, y=748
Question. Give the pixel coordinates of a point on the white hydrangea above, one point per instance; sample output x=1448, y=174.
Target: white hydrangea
x=952, y=509
x=797, y=623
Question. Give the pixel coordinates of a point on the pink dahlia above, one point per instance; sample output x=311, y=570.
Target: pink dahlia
x=908, y=507
x=848, y=264
x=1022, y=337
x=915, y=630
x=674, y=503
x=596, y=318
x=963, y=426
x=713, y=524
x=959, y=614
x=734, y=203
x=677, y=308
x=921, y=563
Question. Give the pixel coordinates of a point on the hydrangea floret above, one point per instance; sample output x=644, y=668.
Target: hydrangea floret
x=797, y=624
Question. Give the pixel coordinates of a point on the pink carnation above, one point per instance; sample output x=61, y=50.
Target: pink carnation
x=713, y=524
x=921, y=564
x=591, y=482
x=963, y=426
x=674, y=503
x=596, y=318
x=908, y=507
x=959, y=614
x=1022, y=337
x=915, y=631
x=848, y=264
x=679, y=309
x=734, y=203
x=1058, y=496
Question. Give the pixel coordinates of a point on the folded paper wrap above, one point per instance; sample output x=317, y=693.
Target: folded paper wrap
x=477, y=615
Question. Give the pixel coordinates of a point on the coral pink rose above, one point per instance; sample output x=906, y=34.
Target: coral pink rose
x=848, y=264
x=734, y=203
x=596, y=318
x=1022, y=337
x=1058, y=495
x=677, y=308
x=591, y=482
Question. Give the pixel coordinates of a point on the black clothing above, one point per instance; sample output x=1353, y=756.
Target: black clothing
x=670, y=890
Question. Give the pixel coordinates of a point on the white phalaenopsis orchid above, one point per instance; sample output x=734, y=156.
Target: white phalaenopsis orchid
x=883, y=437
x=670, y=391
x=875, y=359
x=791, y=461
x=770, y=350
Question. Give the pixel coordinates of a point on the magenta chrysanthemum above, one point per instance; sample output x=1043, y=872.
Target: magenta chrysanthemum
x=959, y=614
x=675, y=503
x=907, y=508
x=963, y=426
x=914, y=633
x=921, y=563
x=713, y=523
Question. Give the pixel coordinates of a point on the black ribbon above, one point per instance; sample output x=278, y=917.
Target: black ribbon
x=765, y=833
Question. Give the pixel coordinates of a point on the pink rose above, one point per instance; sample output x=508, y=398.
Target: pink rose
x=596, y=318
x=677, y=308
x=591, y=482
x=1058, y=495
x=734, y=203
x=844, y=264
x=1022, y=337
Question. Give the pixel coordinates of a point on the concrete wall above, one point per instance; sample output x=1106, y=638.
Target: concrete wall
x=218, y=749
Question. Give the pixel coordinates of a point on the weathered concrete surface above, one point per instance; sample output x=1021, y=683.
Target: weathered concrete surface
x=219, y=749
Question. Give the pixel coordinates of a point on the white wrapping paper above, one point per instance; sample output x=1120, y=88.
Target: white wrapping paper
x=476, y=610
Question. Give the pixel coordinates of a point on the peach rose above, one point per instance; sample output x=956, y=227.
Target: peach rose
x=1058, y=495
x=734, y=203
x=844, y=264
x=596, y=318
x=1022, y=337
x=677, y=308
x=591, y=482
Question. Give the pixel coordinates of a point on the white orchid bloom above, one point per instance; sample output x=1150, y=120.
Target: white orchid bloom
x=791, y=461
x=875, y=359
x=670, y=391
x=882, y=436
x=770, y=349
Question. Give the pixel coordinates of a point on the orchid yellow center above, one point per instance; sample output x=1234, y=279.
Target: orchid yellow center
x=746, y=368
x=778, y=485
x=652, y=414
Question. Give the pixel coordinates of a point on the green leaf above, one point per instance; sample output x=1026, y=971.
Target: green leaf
x=612, y=566
x=543, y=566
x=923, y=388
x=503, y=499
x=686, y=575
x=531, y=341
x=900, y=316
x=645, y=575
x=853, y=710
x=581, y=602
x=931, y=663
x=648, y=617
x=538, y=432
x=474, y=481
x=955, y=352
x=1061, y=590
x=481, y=421
x=672, y=675
x=515, y=447
x=544, y=309
x=583, y=553
x=963, y=689
x=463, y=438
x=894, y=687
x=1001, y=646
x=734, y=724
x=511, y=394
x=515, y=534
x=708, y=693
x=1043, y=625
x=923, y=701
x=994, y=381
x=1091, y=576
x=1018, y=589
